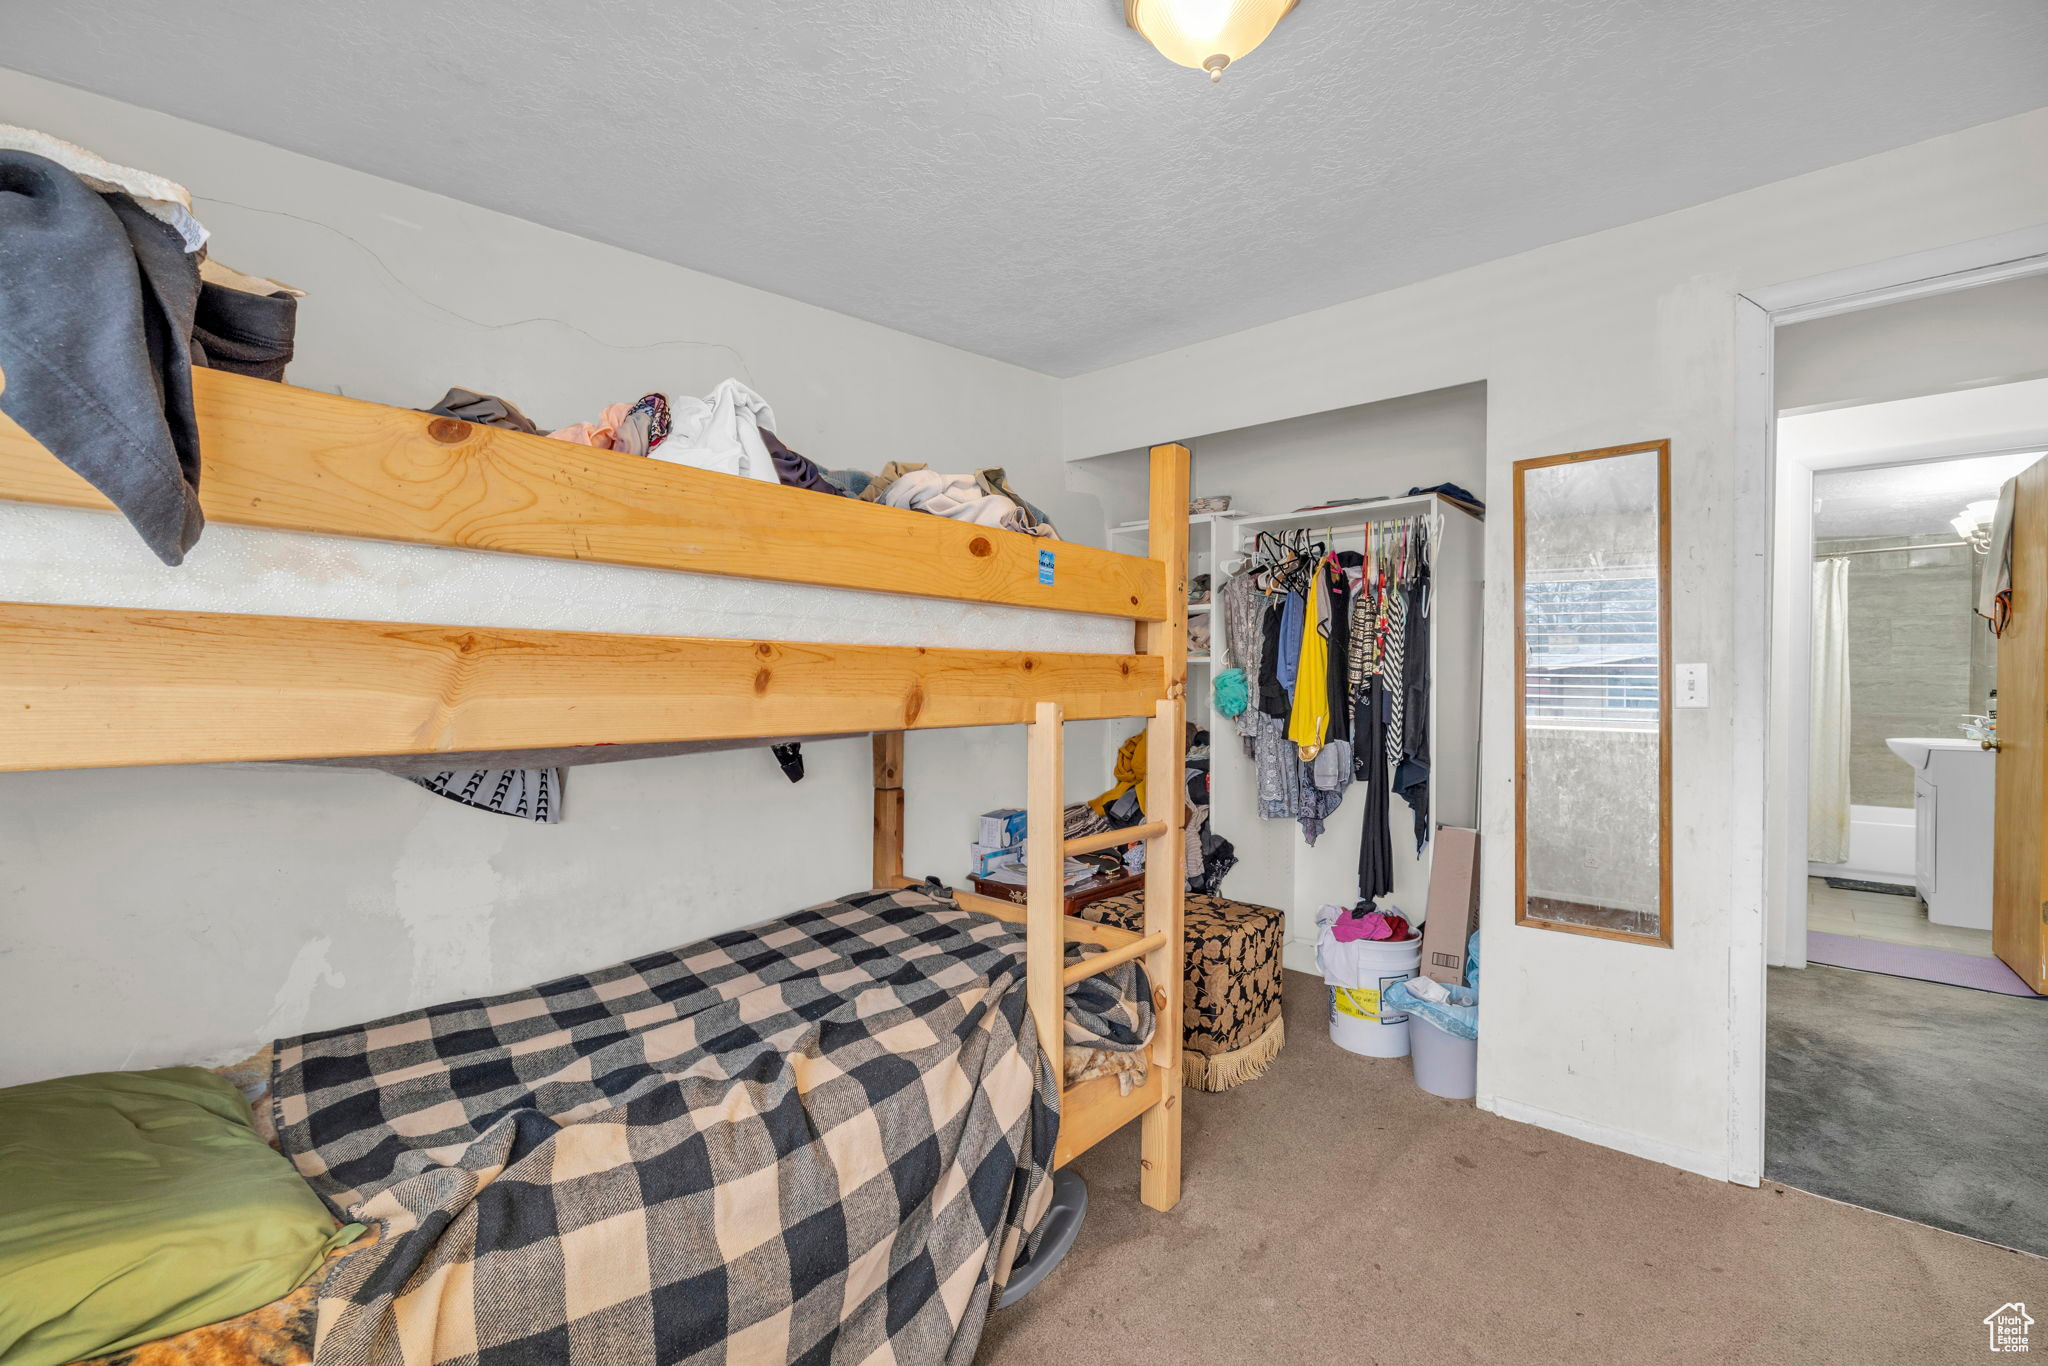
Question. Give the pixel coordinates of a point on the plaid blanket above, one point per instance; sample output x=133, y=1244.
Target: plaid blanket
x=1109, y=1023
x=824, y=1139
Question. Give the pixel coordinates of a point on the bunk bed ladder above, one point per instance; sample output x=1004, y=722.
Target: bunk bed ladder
x=1047, y=931
x=1160, y=942
x=1165, y=781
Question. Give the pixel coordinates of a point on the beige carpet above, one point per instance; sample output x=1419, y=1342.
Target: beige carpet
x=1335, y=1213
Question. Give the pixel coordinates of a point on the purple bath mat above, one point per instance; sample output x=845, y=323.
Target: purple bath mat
x=1903, y=960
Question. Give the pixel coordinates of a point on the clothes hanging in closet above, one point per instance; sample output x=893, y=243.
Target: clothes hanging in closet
x=1271, y=692
x=1375, y=846
x=1339, y=671
x=1287, y=662
x=1308, y=722
x=1334, y=648
x=1411, y=774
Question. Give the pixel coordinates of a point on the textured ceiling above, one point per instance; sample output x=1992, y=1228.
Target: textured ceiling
x=1906, y=500
x=1025, y=178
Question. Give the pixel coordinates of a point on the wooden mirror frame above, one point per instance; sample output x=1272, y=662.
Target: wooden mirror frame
x=1664, y=909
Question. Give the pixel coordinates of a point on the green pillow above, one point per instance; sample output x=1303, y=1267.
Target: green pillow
x=134, y=1205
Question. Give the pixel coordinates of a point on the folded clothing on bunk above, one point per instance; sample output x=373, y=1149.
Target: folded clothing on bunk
x=984, y=497
x=719, y=432
x=958, y=496
x=486, y=410
x=243, y=324
x=827, y=1134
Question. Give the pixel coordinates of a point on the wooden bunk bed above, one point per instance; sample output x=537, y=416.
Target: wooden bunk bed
x=87, y=687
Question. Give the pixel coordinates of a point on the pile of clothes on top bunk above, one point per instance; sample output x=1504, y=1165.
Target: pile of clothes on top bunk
x=1207, y=856
x=1325, y=675
x=108, y=298
x=732, y=431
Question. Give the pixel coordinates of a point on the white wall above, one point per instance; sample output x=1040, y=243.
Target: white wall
x=1369, y=450
x=1373, y=450
x=159, y=916
x=1622, y=336
x=1993, y=334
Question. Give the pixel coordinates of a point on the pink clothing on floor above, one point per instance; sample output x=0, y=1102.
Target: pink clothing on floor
x=1371, y=925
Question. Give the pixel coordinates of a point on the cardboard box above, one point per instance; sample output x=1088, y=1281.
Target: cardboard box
x=1001, y=828
x=1453, y=904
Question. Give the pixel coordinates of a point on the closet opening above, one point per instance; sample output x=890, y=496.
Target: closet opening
x=1336, y=482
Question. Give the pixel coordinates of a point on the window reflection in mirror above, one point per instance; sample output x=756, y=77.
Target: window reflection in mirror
x=1593, y=692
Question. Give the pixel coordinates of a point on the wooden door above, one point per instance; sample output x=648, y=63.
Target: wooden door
x=2019, y=877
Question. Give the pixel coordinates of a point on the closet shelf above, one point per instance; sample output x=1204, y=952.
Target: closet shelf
x=1352, y=514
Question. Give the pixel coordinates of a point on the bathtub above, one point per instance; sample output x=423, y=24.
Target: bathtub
x=1881, y=843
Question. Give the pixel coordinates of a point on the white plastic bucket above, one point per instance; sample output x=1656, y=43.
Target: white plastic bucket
x=1357, y=973
x=1445, y=1065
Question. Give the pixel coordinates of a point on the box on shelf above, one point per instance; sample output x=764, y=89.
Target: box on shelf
x=1002, y=827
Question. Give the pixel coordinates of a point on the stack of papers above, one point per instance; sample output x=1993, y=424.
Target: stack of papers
x=1011, y=871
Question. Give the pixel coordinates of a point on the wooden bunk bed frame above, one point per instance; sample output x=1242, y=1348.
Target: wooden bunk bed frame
x=88, y=687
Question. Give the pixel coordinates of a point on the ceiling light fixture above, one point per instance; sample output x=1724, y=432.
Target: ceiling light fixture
x=1973, y=524
x=1207, y=35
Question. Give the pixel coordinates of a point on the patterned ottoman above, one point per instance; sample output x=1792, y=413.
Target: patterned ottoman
x=1231, y=1021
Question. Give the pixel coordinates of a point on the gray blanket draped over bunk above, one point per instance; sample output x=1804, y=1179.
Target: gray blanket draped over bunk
x=825, y=1138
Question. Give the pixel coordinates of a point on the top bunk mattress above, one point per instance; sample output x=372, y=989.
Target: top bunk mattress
x=92, y=559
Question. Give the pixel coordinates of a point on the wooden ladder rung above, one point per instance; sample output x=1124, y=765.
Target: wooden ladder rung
x=1103, y=962
x=1110, y=839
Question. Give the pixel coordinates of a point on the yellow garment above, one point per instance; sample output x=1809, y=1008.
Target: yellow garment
x=1130, y=775
x=1308, y=724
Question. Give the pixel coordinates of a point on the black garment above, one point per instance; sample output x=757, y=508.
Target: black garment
x=246, y=334
x=1271, y=695
x=1124, y=811
x=795, y=470
x=486, y=410
x=1369, y=764
x=1339, y=626
x=1219, y=856
x=1411, y=775
x=96, y=307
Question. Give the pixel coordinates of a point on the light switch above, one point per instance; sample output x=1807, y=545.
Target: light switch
x=1692, y=686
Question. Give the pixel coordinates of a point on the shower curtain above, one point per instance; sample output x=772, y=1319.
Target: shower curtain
x=1827, y=811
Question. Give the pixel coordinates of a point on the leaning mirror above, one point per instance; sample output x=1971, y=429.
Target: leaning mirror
x=1593, y=693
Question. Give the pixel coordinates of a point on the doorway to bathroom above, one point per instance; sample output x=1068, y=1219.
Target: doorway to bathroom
x=1904, y=695
x=1900, y=1053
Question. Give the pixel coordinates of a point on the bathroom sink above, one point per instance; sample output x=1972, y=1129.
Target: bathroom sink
x=1915, y=751
x=1954, y=803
